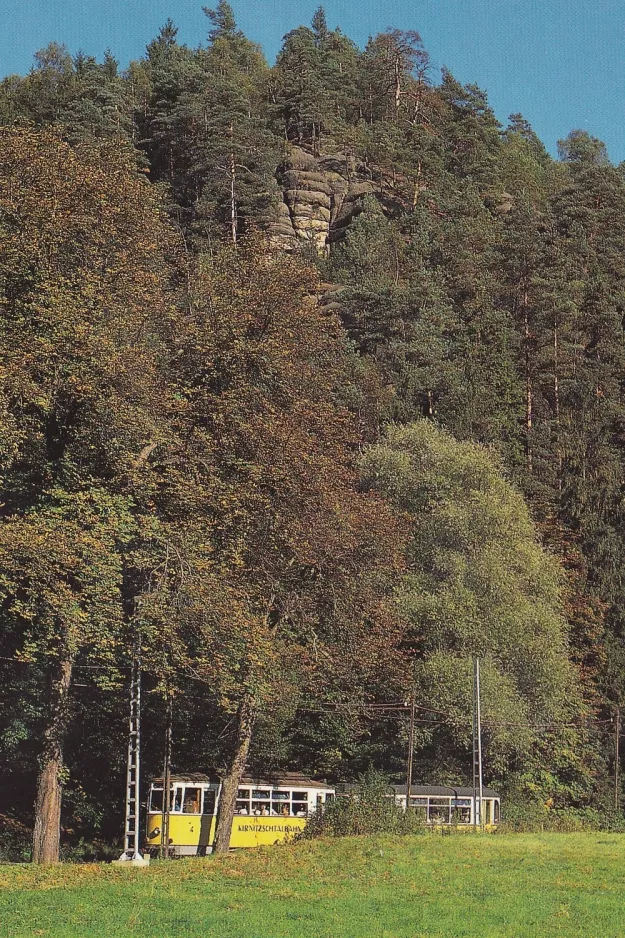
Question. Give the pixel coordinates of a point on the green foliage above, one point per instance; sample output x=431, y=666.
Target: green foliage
x=580, y=147
x=314, y=86
x=178, y=438
x=368, y=809
x=15, y=841
x=478, y=584
x=527, y=818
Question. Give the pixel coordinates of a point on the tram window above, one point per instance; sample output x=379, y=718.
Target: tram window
x=300, y=803
x=497, y=812
x=261, y=807
x=209, y=801
x=420, y=808
x=440, y=810
x=280, y=803
x=461, y=810
x=329, y=797
x=177, y=799
x=261, y=803
x=243, y=801
x=156, y=800
x=191, y=803
x=300, y=806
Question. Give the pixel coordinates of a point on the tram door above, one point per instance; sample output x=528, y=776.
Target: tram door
x=207, y=821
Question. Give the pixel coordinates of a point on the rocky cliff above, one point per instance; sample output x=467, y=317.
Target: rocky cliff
x=320, y=196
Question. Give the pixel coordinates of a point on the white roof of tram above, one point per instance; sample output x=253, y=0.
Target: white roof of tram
x=443, y=791
x=424, y=791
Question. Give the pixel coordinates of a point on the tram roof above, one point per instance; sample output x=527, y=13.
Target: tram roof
x=285, y=780
x=459, y=791
x=443, y=791
x=196, y=777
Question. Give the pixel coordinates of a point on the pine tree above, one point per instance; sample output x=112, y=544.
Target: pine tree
x=315, y=84
x=100, y=107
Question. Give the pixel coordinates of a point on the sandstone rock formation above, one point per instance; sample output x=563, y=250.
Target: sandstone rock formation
x=320, y=197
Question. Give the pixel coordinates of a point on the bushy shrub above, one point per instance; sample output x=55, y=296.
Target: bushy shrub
x=15, y=841
x=89, y=851
x=534, y=818
x=16, y=845
x=368, y=809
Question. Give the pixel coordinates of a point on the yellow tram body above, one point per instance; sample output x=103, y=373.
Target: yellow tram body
x=266, y=813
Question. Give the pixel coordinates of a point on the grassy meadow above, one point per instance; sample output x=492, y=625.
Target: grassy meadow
x=464, y=886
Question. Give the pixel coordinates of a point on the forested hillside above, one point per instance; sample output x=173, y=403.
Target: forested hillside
x=311, y=385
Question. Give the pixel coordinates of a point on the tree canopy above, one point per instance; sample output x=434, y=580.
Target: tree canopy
x=311, y=381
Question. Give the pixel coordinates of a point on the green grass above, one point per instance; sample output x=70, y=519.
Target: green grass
x=464, y=886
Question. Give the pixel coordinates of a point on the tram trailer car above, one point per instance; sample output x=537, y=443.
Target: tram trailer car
x=442, y=804
x=266, y=812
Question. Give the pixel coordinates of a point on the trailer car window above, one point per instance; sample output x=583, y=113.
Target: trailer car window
x=440, y=810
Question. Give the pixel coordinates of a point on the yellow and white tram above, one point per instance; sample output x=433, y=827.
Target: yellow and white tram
x=266, y=812
x=272, y=811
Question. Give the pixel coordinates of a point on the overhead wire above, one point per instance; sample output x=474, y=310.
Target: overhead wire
x=387, y=708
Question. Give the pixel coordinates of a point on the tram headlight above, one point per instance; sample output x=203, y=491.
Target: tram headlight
x=154, y=833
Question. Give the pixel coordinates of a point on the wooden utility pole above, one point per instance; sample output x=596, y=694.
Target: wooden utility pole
x=410, y=752
x=617, y=780
x=164, y=851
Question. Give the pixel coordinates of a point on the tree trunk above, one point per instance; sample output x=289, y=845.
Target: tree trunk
x=397, y=77
x=556, y=402
x=233, y=198
x=230, y=784
x=47, y=831
x=529, y=390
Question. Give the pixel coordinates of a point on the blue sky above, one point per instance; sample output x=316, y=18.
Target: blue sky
x=560, y=62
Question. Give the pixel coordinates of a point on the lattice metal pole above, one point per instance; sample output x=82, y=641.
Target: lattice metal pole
x=478, y=785
x=131, y=829
x=164, y=849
